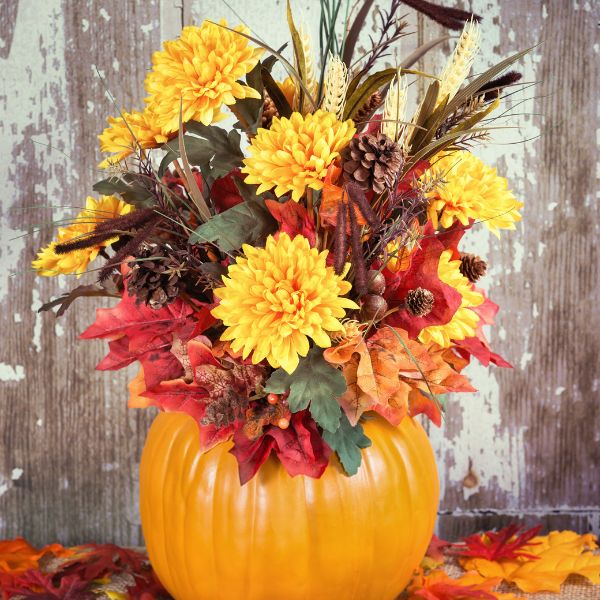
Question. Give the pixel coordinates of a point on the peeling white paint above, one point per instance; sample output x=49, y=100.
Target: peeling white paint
x=17, y=317
x=39, y=422
x=146, y=29
x=85, y=25
x=559, y=390
x=525, y=360
x=16, y=474
x=59, y=330
x=11, y=373
x=36, y=303
x=104, y=14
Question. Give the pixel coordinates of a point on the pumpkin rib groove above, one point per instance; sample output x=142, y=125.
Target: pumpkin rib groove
x=280, y=537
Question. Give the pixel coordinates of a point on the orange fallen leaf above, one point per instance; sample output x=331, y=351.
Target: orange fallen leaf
x=18, y=555
x=558, y=555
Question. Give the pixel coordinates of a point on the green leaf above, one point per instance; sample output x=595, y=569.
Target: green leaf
x=129, y=187
x=314, y=382
x=210, y=148
x=298, y=53
x=347, y=441
x=245, y=223
x=251, y=108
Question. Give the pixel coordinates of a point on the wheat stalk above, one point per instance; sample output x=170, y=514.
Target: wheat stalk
x=335, y=86
x=459, y=65
x=307, y=49
x=394, y=108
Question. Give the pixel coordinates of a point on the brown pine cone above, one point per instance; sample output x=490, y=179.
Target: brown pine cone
x=372, y=160
x=472, y=267
x=365, y=112
x=269, y=111
x=419, y=302
x=156, y=275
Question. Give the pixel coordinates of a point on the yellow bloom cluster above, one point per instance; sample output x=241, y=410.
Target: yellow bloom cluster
x=472, y=190
x=125, y=134
x=49, y=263
x=464, y=321
x=198, y=73
x=294, y=153
x=275, y=298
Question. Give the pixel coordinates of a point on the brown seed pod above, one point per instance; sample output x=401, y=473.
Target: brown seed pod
x=373, y=308
x=376, y=282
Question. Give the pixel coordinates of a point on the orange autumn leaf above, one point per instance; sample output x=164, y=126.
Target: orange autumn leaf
x=136, y=387
x=18, y=556
x=438, y=585
x=332, y=196
x=558, y=555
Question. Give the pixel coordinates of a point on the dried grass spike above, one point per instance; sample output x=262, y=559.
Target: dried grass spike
x=459, y=65
x=395, y=108
x=311, y=80
x=336, y=84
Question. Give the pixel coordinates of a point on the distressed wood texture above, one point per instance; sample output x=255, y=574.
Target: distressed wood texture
x=528, y=439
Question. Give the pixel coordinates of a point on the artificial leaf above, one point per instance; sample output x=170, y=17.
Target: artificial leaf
x=293, y=219
x=225, y=193
x=300, y=448
x=18, y=556
x=245, y=223
x=130, y=186
x=559, y=554
x=35, y=585
x=508, y=543
x=436, y=548
x=250, y=109
x=347, y=441
x=314, y=384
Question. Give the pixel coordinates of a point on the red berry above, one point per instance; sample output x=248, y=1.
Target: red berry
x=273, y=398
x=283, y=423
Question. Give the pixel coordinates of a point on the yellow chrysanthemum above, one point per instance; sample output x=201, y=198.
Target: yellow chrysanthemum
x=288, y=87
x=294, y=153
x=275, y=298
x=120, y=137
x=464, y=321
x=49, y=263
x=198, y=72
x=472, y=190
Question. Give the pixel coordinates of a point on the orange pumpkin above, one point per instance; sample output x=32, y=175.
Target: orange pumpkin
x=280, y=537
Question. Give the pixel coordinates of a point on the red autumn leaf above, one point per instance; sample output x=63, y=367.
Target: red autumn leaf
x=293, y=219
x=508, y=543
x=422, y=273
x=34, y=585
x=300, y=448
x=453, y=591
x=436, y=548
x=225, y=193
x=419, y=404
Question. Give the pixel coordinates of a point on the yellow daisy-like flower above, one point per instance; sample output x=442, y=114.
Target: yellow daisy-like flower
x=288, y=87
x=49, y=263
x=275, y=298
x=472, y=190
x=198, y=73
x=464, y=321
x=120, y=137
x=294, y=153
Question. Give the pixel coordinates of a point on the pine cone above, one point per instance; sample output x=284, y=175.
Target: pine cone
x=472, y=267
x=365, y=112
x=269, y=111
x=372, y=161
x=155, y=276
x=419, y=302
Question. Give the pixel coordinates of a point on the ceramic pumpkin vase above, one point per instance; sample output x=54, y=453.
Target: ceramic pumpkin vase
x=280, y=537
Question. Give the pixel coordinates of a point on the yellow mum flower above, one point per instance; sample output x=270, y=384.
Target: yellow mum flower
x=49, y=263
x=472, y=190
x=119, y=138
x=198, y=73
x=288, y=87
x=294, y=153
x=275, y=298
x=464, y=321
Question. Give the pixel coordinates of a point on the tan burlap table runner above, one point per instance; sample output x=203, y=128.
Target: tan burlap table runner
x=575, y=588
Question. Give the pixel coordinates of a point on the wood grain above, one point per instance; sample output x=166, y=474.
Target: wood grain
x=69, y=447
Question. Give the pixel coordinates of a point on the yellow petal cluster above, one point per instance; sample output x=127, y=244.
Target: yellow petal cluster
x=464, y=321
x=197, y=73
x=471, y=190
x=129, y=132
x=294, y=153
x=275, y=298
x=49, y=263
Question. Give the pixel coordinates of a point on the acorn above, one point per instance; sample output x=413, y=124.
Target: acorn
x=373, y=308
x=376, y=282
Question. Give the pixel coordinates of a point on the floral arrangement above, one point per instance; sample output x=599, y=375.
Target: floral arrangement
x=282, y=279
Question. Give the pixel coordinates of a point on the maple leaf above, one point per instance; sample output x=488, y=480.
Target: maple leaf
x=293, y=219
x=347, y=441
x=558, y=555
x=314, y=384
x=34, y=585
x=18, y=555
x=225, y=193
x=508, y=543
x=300, y=448
x=436, y=548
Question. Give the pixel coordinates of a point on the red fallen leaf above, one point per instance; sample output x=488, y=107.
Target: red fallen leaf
x=508, y=543
x=300, y=448
x=406, y=183
x=225, y=193
x=423, y=273
x=34, y=585
x=293, y=218
x=436, y=548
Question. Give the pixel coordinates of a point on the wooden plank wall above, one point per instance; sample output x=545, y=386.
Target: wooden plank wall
x=528, y=441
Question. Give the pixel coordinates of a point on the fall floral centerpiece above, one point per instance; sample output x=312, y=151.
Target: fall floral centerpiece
x=284, y=280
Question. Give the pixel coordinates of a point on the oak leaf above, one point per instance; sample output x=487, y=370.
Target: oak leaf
x=293, y=219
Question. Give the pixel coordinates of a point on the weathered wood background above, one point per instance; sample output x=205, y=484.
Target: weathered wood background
x=525, y=445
